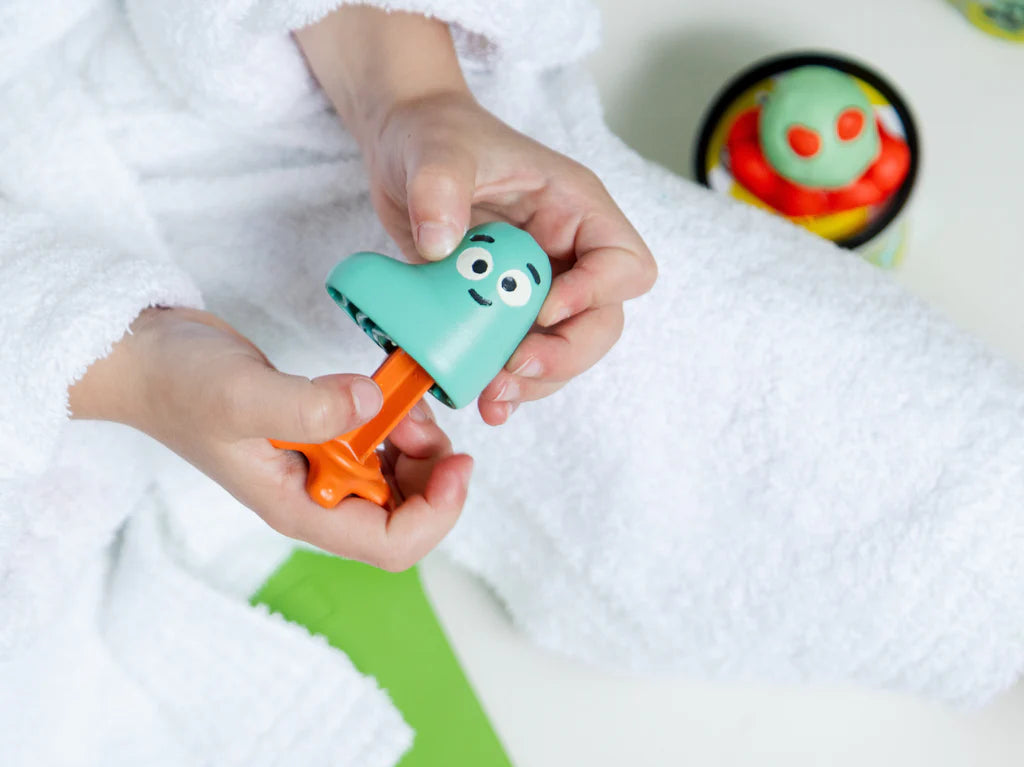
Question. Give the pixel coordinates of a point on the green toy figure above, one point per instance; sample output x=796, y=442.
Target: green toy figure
x=814, y=129
x=815, y=146
x=819, y=139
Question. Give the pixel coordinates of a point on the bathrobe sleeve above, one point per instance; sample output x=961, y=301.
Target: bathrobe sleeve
x=66, y=301
x=80, y=257
x=210, y=54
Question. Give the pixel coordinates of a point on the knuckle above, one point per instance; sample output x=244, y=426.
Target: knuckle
x=282, y=522
x=228, y=401
x=396, y=558
x=434, y=177
x=650, y=270
x=594, y=181
x=585, y=175
x=618, y=325
x=320, y=415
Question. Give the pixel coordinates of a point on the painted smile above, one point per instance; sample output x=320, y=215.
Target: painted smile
x=478, y=298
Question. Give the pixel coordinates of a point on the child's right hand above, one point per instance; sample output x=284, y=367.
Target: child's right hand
x=189, y=380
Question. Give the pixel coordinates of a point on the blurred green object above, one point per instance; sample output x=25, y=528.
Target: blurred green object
x=385, y=624
x=813, y=98
x=999, y=18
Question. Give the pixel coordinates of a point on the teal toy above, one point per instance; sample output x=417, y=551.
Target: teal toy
x=448, y=327
x=460, y=318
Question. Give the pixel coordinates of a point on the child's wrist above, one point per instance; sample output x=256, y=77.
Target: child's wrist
x=370, y=62
x=397, y=112
x=112, y=388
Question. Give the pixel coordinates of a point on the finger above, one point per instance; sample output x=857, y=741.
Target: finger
x=545, y=361
x=439, y=190
x=600, y=277
x=564, y=351
x=264, y=402
x=413, y=448
x=419, y=436
x=396, y=540
x=419, y=414
x=496, y=413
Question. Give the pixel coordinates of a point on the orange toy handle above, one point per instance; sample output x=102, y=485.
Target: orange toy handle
x=348, y=465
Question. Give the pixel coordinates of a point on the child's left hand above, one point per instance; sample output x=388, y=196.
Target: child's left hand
x=441, y=164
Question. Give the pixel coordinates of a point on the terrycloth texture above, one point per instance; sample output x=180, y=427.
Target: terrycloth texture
x=291, y=699
x=786, y=469
x=107, y=115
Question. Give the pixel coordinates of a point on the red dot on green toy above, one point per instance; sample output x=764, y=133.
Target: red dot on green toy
x=805, y=142
x=850, y=124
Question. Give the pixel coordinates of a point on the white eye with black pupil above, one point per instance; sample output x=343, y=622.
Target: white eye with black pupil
x=514, y=287
x=474, y=263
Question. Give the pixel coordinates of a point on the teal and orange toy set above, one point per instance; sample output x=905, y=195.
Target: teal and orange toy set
x=448, y=328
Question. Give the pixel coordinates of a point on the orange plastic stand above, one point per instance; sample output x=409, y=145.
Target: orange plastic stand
x=349, y=465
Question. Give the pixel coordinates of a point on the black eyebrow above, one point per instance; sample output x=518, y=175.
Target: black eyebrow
x=481, y=238
x=533, y=271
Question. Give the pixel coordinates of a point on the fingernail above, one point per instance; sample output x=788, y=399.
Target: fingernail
x=366, y=397
x=528, y=369
x=508, y=392
x=436, y=240
x=561, y=314
x=420, y=413
x=511, y=409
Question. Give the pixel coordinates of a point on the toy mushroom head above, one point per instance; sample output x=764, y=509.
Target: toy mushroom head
x=460, y=318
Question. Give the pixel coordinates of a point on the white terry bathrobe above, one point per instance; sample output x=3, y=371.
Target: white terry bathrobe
x=787, y=468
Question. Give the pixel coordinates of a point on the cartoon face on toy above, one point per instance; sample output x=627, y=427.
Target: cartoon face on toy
x=460, y=318
x=496, y=268
x=818, y=129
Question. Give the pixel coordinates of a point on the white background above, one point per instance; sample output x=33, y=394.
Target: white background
x=662, y=63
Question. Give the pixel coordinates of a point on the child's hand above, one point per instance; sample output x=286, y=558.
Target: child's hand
x=441, y=164
x=189, y=380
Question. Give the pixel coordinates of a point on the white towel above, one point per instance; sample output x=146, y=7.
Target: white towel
x=148, y=650
x=786, y=469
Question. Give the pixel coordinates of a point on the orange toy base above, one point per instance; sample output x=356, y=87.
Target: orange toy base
x=349, y=464
x=335, y=473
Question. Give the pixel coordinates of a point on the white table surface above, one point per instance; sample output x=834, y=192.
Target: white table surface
x=662, y=63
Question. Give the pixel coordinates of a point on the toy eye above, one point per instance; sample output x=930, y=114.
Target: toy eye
x=804, y=141
x=474, y=263
x=514, y=287
x=850, y=124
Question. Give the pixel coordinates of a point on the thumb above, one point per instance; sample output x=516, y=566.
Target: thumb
x=295, y=409
x=440, y=187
